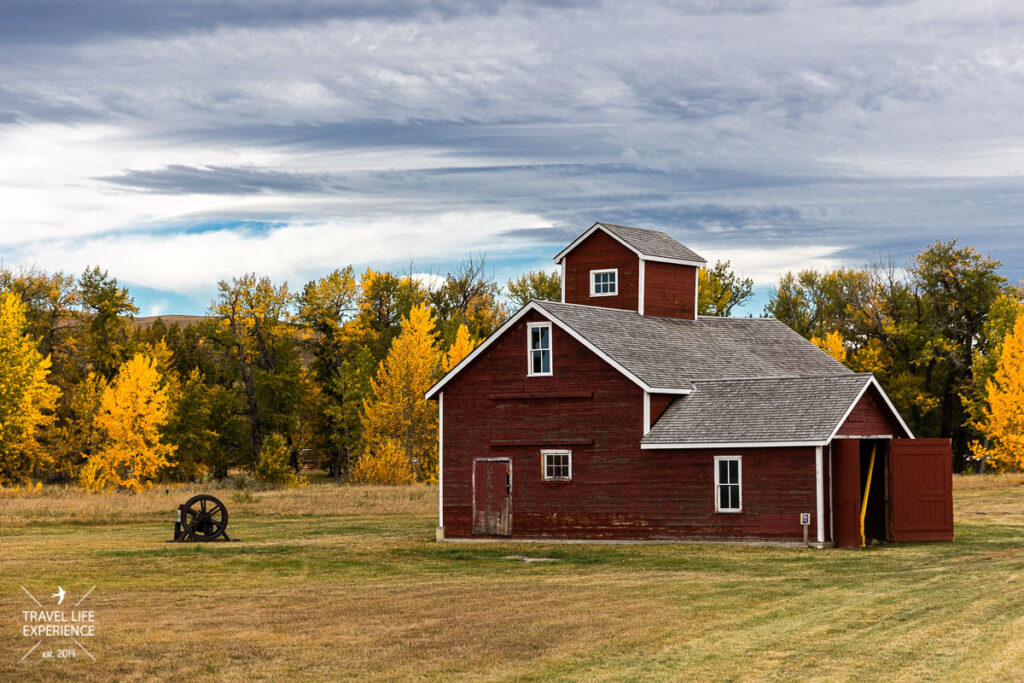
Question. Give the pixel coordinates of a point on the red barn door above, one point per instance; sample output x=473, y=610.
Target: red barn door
x=921, y=482
x=492, y=497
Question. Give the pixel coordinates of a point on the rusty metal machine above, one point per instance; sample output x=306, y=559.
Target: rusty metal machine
x=202, y=518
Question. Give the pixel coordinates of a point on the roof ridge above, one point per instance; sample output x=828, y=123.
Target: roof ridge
x=740, y=318
x=862, y=375
x=592, y=306
x=661, y=317
x=633, y=227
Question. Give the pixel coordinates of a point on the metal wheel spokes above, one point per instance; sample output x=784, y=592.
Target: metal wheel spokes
x=206, y=517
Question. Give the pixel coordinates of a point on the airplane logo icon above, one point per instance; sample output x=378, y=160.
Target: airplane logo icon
x=59, y=595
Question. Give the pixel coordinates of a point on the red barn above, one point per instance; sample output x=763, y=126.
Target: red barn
x=619, y=413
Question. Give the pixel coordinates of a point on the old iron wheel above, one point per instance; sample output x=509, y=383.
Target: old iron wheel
x=206, y=517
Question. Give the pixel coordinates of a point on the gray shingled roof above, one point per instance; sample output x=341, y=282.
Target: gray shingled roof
x=652, y=243
x=668, y=353
x=758, y=410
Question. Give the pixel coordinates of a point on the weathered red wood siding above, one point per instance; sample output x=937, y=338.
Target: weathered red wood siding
x=617, y=489
x=670, y=290
x=659, y=404
x=600, y=252
x=870, y=417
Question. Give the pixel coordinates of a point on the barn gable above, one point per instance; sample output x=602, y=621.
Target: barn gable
x=602, y=252
x=534, y=307
x=873, y=416
x=646, y=271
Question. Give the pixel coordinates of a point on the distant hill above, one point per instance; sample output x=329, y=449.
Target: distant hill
x=180, y=320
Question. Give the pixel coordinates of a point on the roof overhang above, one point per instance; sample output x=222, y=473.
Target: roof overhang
x=597, y=226
x=534, y=307
x=736, y=444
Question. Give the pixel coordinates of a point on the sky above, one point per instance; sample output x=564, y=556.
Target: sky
x=176, y=144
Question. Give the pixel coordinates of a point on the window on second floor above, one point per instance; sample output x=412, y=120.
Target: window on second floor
x=539, y=338
x=604, y=282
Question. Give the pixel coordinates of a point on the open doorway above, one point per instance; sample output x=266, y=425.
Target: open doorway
x=876, y=513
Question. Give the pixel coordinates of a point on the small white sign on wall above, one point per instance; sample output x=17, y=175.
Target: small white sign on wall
x=805, y=518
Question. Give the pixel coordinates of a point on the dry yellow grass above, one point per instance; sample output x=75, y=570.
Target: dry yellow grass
x=331, y=583
x=69, y=504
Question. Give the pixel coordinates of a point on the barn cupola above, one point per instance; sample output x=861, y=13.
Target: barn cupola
x=615, y=266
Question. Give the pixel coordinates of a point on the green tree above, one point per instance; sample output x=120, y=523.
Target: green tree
x=469, y=296
x=76, y=435
x=273, y=467
x=958, y=287
x=720, y=290
x=109, y=310
x=196, y=348
x=815, y=303
x=190, y=428
x=326, y=306
x=537, y=285
x=253, y=330
x=917, y=329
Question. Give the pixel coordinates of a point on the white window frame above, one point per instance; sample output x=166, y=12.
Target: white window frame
x=593, y=283
x=544, y=463
x=738, y=483
x=529, y=350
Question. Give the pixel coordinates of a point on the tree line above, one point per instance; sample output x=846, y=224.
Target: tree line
x=332, y=376
x=939, y=334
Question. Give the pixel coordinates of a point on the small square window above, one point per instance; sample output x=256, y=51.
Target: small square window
x=728, y=484
x=604, y=282
x=556, y=465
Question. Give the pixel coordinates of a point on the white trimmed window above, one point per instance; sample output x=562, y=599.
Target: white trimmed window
x=538, y=339
x=556, y=465
x=604, y=282
x=728, y=483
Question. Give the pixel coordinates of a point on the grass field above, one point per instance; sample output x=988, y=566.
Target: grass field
x=347, y=582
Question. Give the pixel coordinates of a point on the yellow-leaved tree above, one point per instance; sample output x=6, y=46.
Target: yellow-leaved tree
x=384, y=463
x=832, y=344
x=27, y=400
x=133, y=409
x=460, y=348
x=1002, y=421
x=399, y=424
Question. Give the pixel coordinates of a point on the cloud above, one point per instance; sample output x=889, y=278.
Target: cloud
x=542, y=235
x=226, y=136
x=191, y=262
x=180, y=179
x=27, y=20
